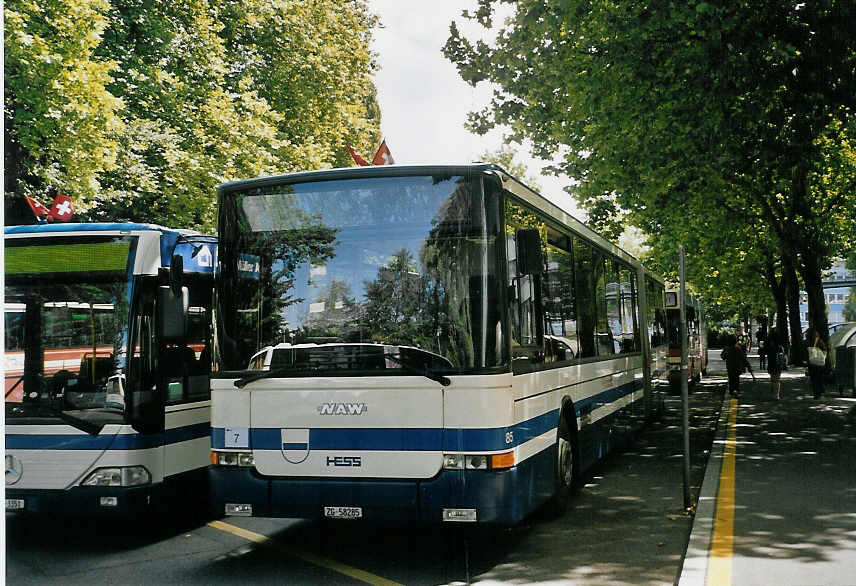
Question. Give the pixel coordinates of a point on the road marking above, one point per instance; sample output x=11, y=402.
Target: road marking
x=317, y=560
x=719, y=569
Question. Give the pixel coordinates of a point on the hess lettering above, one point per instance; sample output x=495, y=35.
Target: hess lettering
x=355, y=461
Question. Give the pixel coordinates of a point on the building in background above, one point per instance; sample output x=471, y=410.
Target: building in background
x=835, y=297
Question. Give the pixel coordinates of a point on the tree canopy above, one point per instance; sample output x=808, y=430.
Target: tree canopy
x=700, y=122
x=138, y=110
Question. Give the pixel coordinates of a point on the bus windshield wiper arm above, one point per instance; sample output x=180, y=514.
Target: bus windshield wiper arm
x=79, y=423
x=242, y=382
x=426, y=372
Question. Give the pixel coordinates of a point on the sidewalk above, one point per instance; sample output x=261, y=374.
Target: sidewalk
x=778, y=501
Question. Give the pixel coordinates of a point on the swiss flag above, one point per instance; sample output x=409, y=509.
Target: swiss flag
x=383, y=156
x=357, y=158
x=62, y=209
x=38, y=209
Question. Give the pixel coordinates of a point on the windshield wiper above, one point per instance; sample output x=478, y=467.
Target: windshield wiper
x=421, y=371
x=21, y=410
x=79, y=423
x=242, y=382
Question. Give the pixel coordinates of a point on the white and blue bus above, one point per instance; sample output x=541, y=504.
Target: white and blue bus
x=696, y=339
x=107, y=361
x=436, y=343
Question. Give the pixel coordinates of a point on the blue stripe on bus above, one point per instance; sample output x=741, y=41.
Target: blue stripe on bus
x=295, y=446
x=123, y=441
x=426, y=439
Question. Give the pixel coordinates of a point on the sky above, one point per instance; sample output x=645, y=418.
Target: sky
x=423, y=101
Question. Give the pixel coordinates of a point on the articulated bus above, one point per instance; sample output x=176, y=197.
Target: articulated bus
x=696, y=339
x=107, y=364
x=435, y=343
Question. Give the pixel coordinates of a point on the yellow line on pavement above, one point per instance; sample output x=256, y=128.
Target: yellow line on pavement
x=722, y=549
x=317, y=560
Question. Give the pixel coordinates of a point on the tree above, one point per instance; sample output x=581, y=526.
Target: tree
x=60, y=119
x=186, y=129
x=504, y=157
x=666, y=111
x=140, y=109
x=311, y=61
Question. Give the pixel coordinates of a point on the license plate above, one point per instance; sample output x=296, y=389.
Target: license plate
x=343, y=512
x=14, y=504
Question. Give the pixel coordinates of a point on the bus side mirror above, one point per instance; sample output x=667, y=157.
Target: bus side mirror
x=172, y=313
x=530, y=260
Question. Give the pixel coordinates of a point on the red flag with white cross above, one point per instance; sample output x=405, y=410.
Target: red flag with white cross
x=383, y=156
x=62, y=209
x=39, y=210
x=356, y=156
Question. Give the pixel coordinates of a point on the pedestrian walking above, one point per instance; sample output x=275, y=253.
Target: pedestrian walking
x=816, y=362
x=736, y=364
x=761, y=336
x=776, y=362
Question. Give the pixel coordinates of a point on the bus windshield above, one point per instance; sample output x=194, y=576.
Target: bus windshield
x=66, y=319
x=397, y=261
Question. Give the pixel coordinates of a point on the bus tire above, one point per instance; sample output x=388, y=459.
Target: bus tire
x=565, y=471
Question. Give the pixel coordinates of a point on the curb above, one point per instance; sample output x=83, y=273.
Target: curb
x=694, y=565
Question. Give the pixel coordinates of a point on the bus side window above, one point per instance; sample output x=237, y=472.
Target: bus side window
x=604, y=337
x=560, y=313
x=584, y=276
x=524, y=291
x=628, y=309
x=613, y=305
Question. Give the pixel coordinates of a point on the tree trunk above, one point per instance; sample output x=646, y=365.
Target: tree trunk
x=813, y=280
x=777, y=287
x=792, y=293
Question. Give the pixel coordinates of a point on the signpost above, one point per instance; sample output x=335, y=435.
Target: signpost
x=684, y=388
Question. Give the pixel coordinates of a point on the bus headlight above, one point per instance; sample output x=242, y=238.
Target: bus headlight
x=243, y=459
x=478, y=461
x=118, y=476
x=453, y=461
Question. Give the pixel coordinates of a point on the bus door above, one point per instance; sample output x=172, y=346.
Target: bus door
x=184, y=360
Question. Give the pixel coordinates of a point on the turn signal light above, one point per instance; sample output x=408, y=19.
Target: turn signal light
x=505, y=460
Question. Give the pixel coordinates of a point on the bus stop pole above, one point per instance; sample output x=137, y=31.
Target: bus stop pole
x=685, y=402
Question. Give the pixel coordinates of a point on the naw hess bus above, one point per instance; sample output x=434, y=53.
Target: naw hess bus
x=437, y=343
x=106, y=367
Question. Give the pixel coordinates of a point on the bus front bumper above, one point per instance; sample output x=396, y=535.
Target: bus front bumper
x=81, y=500
x=501, y=497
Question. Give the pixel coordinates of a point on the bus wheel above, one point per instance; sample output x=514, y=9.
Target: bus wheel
x=564, y=479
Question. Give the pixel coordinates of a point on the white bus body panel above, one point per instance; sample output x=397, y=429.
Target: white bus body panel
x=190, y=454
x=292, y=407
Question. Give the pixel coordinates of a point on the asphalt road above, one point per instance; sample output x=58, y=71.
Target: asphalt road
x=626, y=525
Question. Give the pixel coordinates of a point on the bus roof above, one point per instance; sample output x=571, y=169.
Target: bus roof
x=93, y=227
x=355, y=172
x=170, y=237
